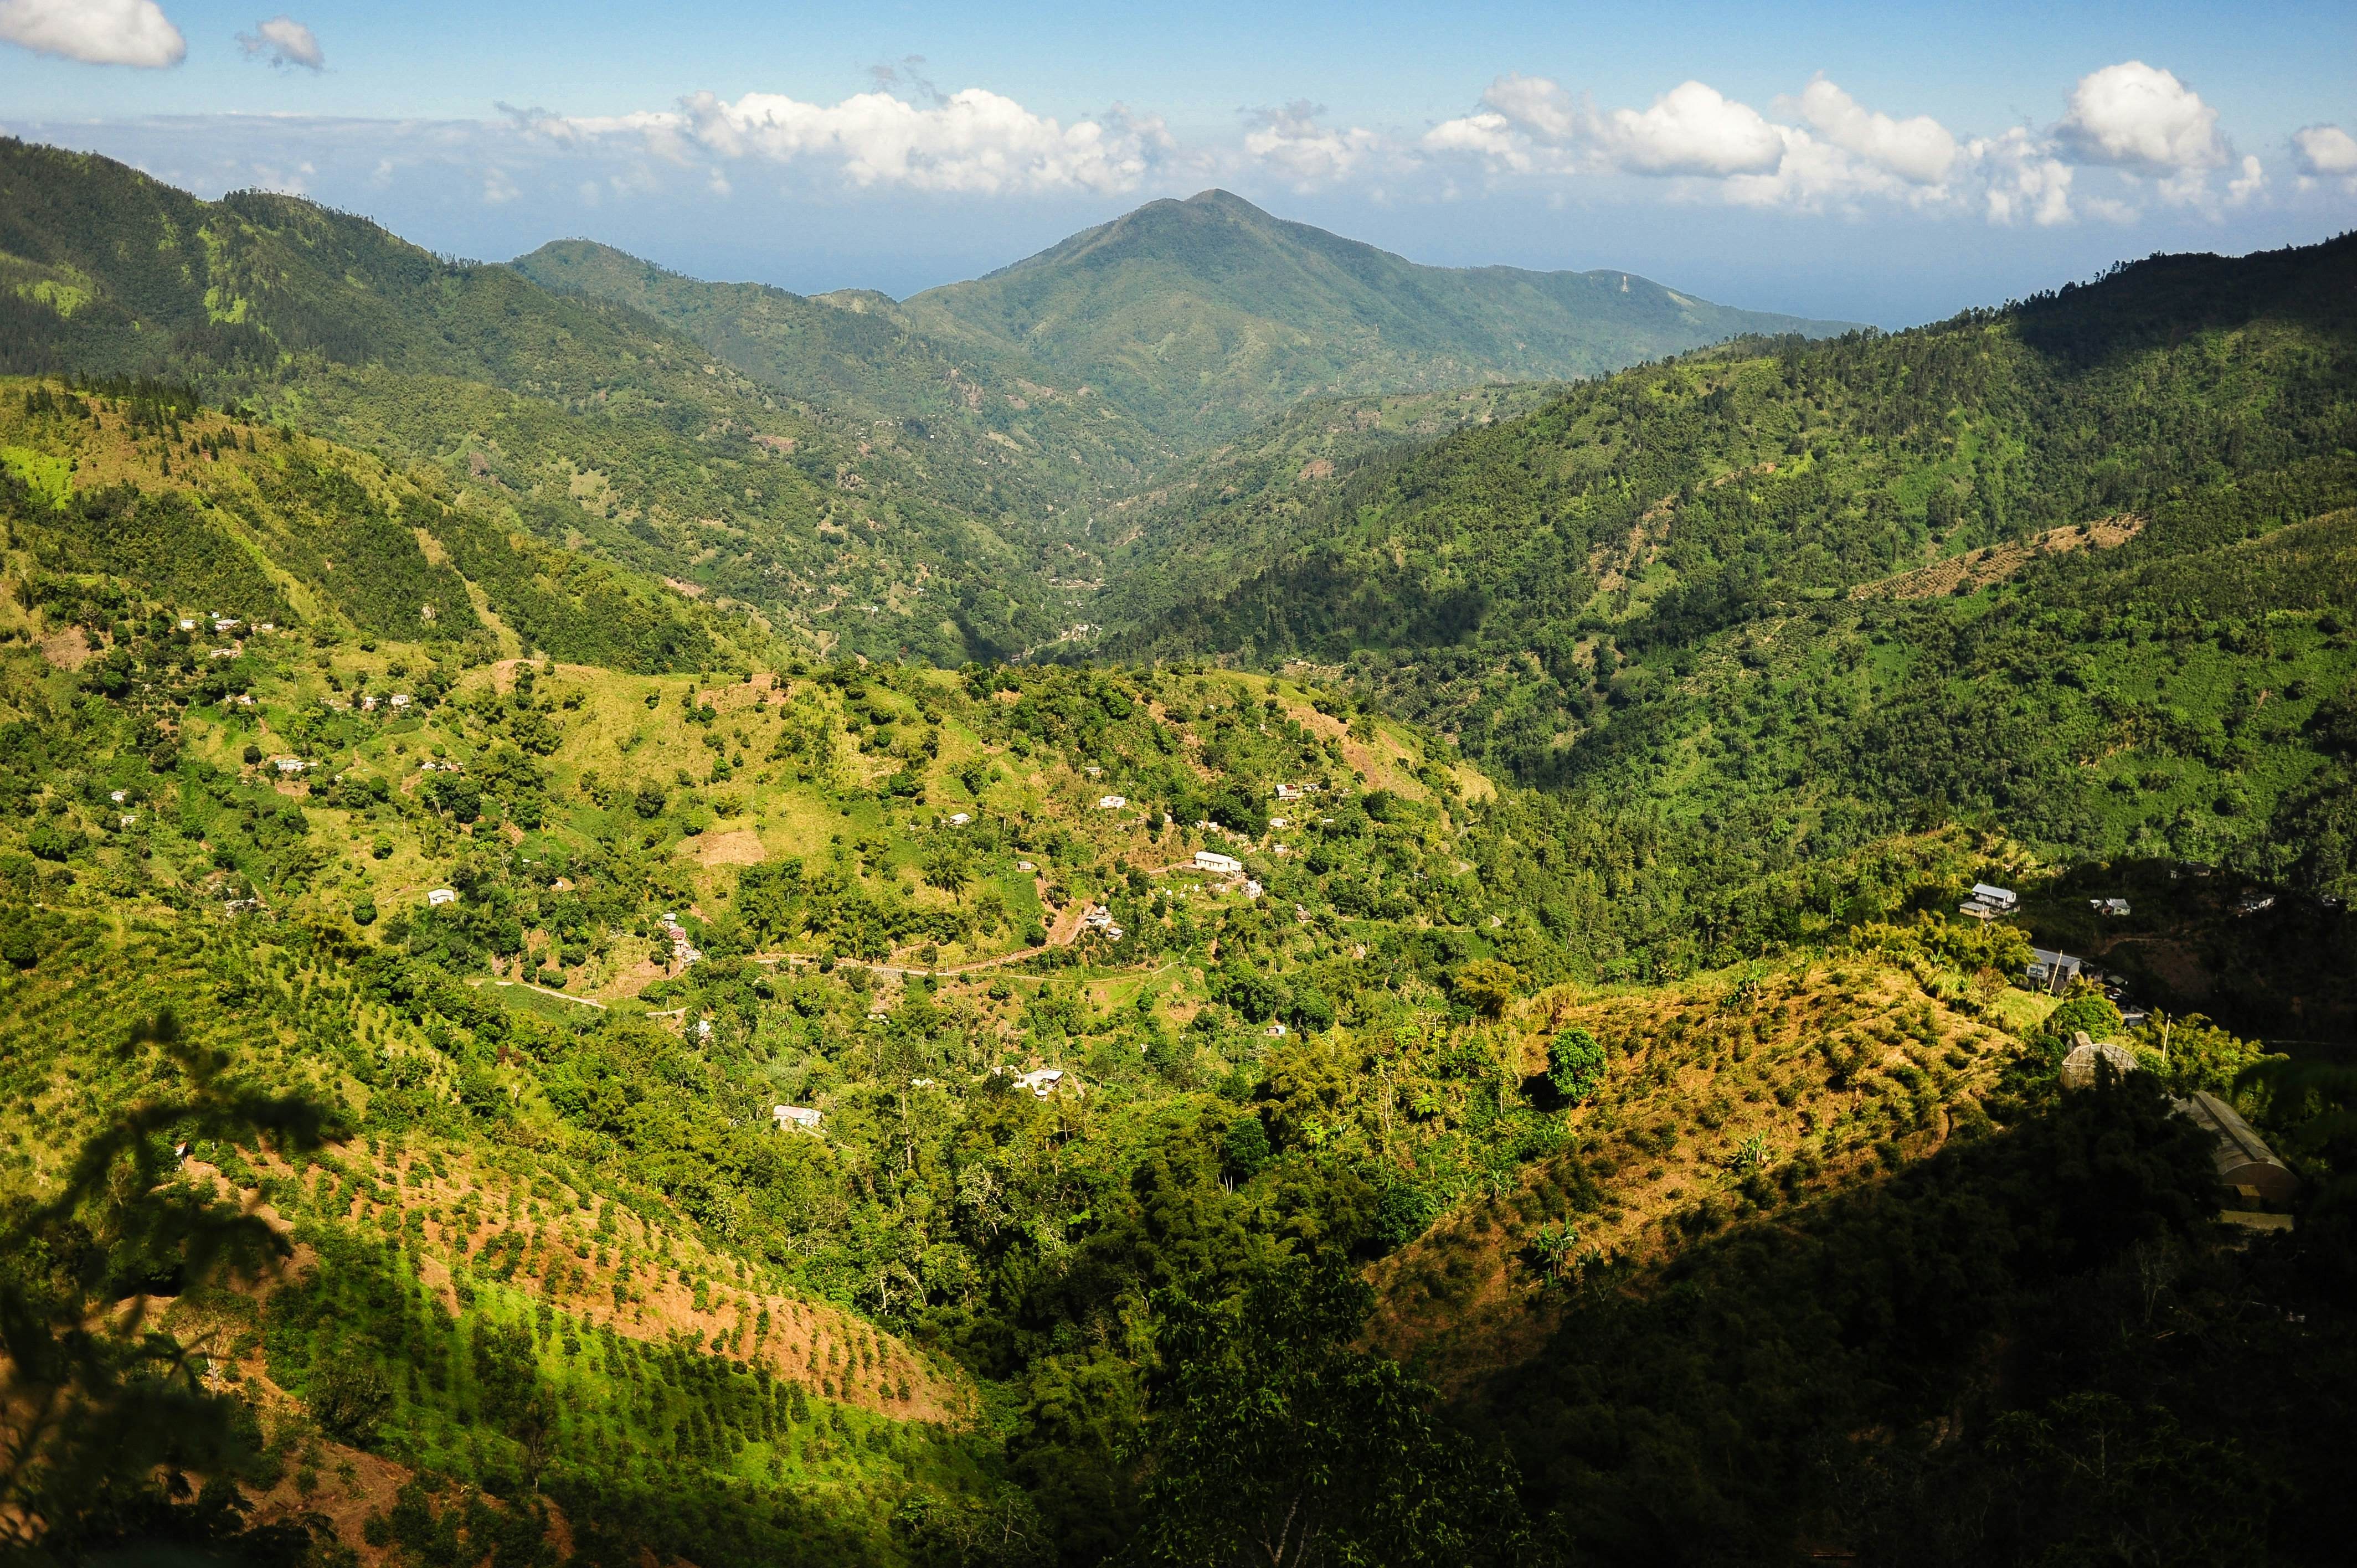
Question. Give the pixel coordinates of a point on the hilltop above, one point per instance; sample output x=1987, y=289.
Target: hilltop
x=1147, y=341
x=1204, y=316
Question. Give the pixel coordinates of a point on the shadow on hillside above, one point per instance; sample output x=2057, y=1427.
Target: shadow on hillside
x=2034, y=1342
x=2167, y=299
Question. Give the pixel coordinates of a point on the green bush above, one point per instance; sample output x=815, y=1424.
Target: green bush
x=1575, y=1065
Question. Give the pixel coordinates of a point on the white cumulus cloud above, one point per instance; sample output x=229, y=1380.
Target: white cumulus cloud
x=2248, y=185
x=2147, y=136
x=1839, y=154
x=1291, y=142
x=972, y=140
x=96, y=32
x=2021, y=179
x=1919, y=150
x=1691, y=129
x=2141, y=116
x=282, y=41
x=2325, y=152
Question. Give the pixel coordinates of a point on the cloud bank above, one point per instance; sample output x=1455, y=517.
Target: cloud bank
x=971, y=141
x=1821, y=150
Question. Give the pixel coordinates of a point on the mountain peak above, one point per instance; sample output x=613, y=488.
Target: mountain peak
x=1204, y=314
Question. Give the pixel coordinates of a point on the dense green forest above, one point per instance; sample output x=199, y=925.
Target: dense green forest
x=592, y=426
x=2081, y=569
x=521, y=1042
x=1038, y=446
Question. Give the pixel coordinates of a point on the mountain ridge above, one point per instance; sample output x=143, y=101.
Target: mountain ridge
x=1180, y=294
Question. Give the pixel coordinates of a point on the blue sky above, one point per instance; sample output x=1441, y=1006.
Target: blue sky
x=1888, y=163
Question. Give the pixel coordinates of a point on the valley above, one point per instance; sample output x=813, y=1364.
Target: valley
x=1213, y=878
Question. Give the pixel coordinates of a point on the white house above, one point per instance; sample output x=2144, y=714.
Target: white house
x=2003, y=899
x=1219, y=865
x=801, y=1118
x=1289, y=792
x=960, y=819
x=290, y=765
x=1043, y=1082
x=1112, y=802
x=441, y=896
x=1252, y=889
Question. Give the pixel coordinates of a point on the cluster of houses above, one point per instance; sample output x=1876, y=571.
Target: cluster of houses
x=2051, y=970
x=1100, y=920
x=222, y=625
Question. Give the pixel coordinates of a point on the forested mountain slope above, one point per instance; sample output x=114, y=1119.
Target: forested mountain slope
x=558, y=1287
x=1202, y=318
x=1040, y=446
x=1214, y=519
x=592, y=425
x=1671, y=583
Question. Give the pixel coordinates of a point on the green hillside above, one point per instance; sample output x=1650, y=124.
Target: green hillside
x=594, y=427
x=1216, y=518
x=1034, y=446
x=2079, y=570
x=550, y=1285
x=1202, y=318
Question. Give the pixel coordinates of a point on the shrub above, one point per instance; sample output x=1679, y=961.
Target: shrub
x=349, y=1399
x=1575, y=1065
